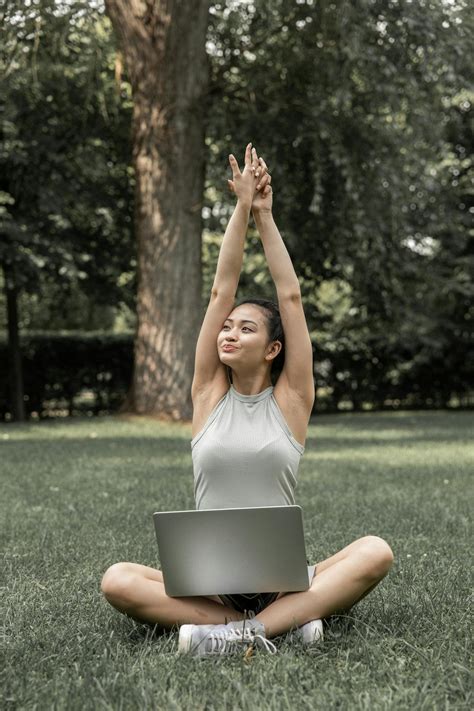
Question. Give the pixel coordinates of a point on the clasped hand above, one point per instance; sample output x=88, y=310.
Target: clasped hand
x=252, y=185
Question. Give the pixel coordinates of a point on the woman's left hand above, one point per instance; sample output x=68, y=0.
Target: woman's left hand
x=243, y=184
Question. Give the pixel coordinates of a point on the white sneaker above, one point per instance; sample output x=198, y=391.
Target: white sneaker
x=235, y=637
x=310, y=632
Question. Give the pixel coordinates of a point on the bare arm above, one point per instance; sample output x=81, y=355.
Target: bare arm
x=278, y=260
x=208, y=369
x=297, y=374
x=229, y=264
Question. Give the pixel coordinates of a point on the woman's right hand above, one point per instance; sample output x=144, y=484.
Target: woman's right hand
x=244, y=183
x=263, y=196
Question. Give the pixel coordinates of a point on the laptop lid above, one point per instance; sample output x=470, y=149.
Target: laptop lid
x=225, y=551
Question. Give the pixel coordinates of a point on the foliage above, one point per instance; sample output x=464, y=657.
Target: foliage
x=362, y=111
x=64, y=153
x=361, y=114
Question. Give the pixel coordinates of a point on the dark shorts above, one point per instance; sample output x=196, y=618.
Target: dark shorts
x=256, y=602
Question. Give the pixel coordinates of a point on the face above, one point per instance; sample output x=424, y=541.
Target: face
x=244, y=337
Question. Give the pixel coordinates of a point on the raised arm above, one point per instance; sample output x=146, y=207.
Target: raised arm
x=297, y=373
x=226, y=280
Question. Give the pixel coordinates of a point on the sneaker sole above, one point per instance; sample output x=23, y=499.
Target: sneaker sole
x=185, y=638
x=316, y=636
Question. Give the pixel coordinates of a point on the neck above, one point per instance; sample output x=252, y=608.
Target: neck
x=250, y=384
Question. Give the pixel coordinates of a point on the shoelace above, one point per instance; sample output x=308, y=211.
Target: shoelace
x=269, y=646
x=221, y=640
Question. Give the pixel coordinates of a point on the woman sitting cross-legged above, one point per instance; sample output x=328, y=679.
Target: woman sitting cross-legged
x=242, y=416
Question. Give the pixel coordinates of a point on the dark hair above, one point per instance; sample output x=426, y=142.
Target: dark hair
x=275, y=331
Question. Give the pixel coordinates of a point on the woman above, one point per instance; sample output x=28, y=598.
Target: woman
x=259, y=430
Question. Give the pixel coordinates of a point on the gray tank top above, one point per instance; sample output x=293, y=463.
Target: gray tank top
x=245, y=455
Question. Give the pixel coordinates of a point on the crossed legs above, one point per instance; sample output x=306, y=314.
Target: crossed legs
x=341, y=581
x=139, y=591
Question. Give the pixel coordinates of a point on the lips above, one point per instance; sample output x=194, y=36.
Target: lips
x=229, y=348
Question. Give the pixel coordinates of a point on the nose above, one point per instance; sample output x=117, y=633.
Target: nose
x=229, y=335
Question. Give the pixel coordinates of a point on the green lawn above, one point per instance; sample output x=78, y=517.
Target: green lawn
x=78, y=495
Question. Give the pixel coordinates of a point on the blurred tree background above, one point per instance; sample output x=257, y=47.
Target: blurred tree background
x=363, y=112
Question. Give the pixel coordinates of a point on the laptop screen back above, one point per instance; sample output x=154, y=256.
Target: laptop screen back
x=225, y=551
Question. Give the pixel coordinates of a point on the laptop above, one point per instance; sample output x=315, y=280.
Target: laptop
x=229, y=551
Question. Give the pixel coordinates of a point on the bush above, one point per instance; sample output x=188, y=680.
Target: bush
x=90, y=373
x=71, y=373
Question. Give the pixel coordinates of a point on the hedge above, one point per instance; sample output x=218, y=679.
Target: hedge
x=90, y=373
x=80, y=373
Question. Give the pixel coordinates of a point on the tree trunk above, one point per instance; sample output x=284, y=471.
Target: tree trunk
x=163, y=44
x=14, y=351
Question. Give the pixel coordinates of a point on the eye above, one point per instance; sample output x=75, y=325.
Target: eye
x=224, y=327
x=248, y=329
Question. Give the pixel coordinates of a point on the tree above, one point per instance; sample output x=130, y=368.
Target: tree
x=63, y=178
x=164, y=48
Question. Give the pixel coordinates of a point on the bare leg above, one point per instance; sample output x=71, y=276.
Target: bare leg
x=138, y=591
x=341, y=581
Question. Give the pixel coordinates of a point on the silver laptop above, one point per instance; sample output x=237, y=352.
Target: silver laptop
x=225, y=551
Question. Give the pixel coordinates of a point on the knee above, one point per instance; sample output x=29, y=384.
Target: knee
x=118, y=583
x=378, y=557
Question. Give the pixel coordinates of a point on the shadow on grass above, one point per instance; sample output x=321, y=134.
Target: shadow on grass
x=339, y=625
x=94, y=444
x=336, y=628
x=332, y=444
x=139, y=632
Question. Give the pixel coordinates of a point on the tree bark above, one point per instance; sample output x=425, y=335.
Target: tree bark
x=163, y=43
x=14, y=351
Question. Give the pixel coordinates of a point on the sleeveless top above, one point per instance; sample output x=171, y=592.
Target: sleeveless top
x=245, y=455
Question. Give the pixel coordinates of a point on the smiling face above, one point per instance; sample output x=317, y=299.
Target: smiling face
x=243, y=338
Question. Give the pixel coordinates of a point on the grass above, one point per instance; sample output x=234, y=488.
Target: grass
x=78, y=495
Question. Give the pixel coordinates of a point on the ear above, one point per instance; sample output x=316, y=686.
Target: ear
x=273, y=350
